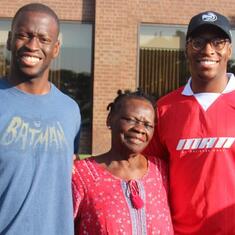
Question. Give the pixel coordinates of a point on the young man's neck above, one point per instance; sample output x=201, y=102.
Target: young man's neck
x=37, y=85
x=31, y=86
x=216, y=85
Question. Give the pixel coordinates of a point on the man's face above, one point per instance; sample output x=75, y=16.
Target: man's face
x=33, y=44
x=208, y=62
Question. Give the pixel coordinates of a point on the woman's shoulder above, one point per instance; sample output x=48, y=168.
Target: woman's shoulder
x=86, y=169
x=82, y=166
x=81, y=162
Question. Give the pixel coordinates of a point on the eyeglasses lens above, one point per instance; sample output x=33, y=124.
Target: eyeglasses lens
x=200, y=43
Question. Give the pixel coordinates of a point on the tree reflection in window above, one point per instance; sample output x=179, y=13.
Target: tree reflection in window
x=79, y=87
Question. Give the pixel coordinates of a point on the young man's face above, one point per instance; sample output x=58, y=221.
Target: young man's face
x=208, y=62
x=33, y=44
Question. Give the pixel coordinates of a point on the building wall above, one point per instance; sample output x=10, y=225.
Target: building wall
x=82, y=10
x=116, y=41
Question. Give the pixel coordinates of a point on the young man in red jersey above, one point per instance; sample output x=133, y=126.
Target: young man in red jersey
x=196, y=133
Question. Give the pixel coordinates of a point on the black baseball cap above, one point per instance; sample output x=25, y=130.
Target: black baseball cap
x=209, y=18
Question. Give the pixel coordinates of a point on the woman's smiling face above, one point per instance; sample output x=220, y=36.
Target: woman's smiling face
x=132, y=125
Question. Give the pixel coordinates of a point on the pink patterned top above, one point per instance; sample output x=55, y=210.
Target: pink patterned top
x=102, y=203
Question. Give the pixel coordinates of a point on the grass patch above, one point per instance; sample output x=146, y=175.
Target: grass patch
x=83, y=156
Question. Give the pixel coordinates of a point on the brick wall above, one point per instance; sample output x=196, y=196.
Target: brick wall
x=82, y=10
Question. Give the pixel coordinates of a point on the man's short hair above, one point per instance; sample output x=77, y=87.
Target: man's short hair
x=36, y=7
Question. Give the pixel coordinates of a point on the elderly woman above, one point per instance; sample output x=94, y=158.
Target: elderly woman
x=123, y=191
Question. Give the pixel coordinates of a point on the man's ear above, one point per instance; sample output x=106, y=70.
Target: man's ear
x=9, y=38
x=56, y=49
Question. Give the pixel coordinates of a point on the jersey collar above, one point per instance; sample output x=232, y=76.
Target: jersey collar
x=230, y=86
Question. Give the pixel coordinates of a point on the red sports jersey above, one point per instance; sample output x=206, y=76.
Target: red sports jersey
x=201, y=149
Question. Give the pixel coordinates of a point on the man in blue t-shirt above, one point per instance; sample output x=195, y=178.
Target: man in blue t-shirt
x=39, y=129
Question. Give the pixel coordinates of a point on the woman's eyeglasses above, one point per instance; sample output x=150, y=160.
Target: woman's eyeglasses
x=216, y=44
x=136, y=122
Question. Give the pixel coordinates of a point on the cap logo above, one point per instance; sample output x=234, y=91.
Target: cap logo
x=209, y=17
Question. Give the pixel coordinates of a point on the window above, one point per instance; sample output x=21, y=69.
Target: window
x=4, y=54
x=70, y=72
x=162, y=63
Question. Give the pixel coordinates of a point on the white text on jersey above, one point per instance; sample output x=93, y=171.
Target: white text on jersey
x=205, y=143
